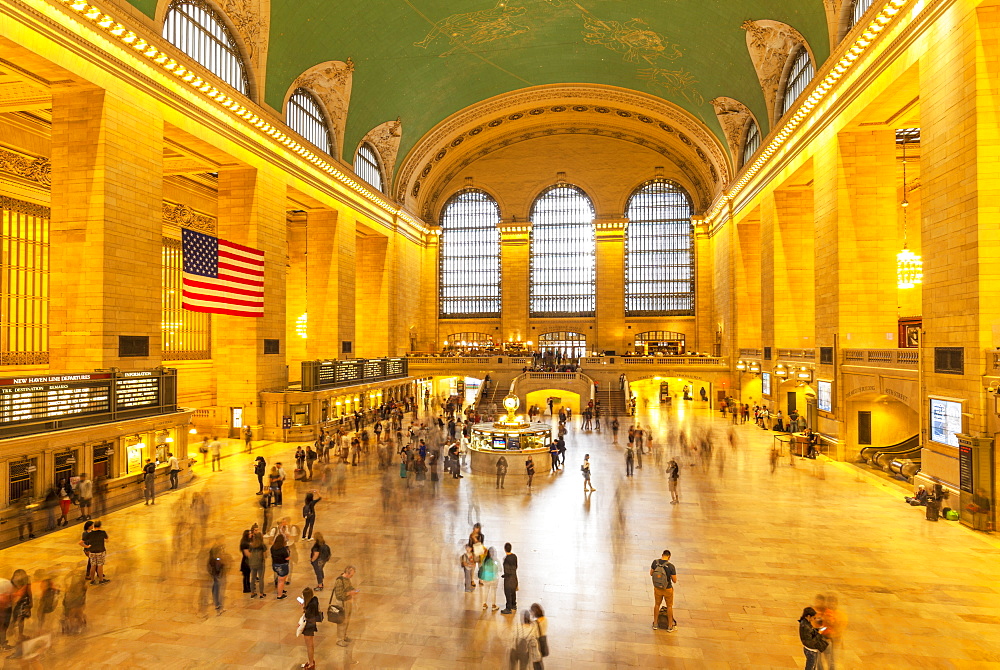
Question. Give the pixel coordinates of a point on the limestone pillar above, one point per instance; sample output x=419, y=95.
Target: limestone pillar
x=609, y=317
x=106, y=235
x=374, y=255
x=515, y=264
x=330, y=267
x=296, y=297
x=252, y=213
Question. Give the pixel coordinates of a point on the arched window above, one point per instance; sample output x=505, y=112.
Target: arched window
x=563, y=252
x=751, y=142
x=858, y=9
x=565, y=344
x=470, y=256
x=197, y=29
x=799, y=76
x=306, y=117
x=659, y=264
x=366, y=166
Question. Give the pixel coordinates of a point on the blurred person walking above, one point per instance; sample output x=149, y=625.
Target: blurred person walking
x=149, y=480
x=673, y=480
x=256, y=561
x=501, y=471
x=74, y=601
x=87, y=527
x=310, y=617
x=489, y=578
x=215, y=449
x=524, y=651
x=345, y=592
x=629, y=461
x=248, y=438
x=65, y=502
x=811, y=636
x=319, y=555
x=585, y=469
x=509, y=579
x=217, y=572
x=85, y=493
x=664, y=576
x=529, y=469
x=278, y=484
x=245, y=560
x=541, y=632
x=834, y=621
x=21, y=602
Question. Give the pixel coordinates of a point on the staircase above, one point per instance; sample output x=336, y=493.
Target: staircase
x=612, y=402
x=491, y=399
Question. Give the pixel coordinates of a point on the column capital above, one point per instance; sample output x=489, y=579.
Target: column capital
x=513, y=231
x=609, y=229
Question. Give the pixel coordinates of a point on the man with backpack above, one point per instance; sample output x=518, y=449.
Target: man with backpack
x=664, y=577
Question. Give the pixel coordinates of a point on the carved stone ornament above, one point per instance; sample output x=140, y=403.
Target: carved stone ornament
x=385, y=138
x=331, y=83
x=252, y=19
x=36, y=169
x=733, y=115
x=24, y=207
x=185, y=217
x=836, y=18
x=770, y=43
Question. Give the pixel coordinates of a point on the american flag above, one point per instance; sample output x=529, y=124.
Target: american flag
x=221, y=277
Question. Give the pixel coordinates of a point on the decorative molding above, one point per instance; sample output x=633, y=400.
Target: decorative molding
x=837, y=15
x=385, y=138
x=659, y=115
x=186, y=217
x=252, y=20
x=34, y=168
x=331, y=82
x=24, y=357
x=770, y=43
x=733, y=116
x=24, y=207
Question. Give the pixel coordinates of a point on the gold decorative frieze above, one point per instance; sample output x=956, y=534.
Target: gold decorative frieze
x=24, y=207
x=34, y=168
x=186, y=217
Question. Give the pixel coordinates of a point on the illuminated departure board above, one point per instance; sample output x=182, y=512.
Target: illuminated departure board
x=374, y=368
x=349, y=371
x=332, y=374
x=395, y=367
x=53, y=402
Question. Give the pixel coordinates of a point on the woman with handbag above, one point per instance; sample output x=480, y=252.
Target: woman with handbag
x=541, y=632
x=489, y=577
x=524, y=644
x=307, y=624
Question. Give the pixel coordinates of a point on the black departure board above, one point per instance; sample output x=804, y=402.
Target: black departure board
x=318, y=375
x=52, y=402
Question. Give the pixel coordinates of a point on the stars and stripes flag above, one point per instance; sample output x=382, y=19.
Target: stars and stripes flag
x=221, y=277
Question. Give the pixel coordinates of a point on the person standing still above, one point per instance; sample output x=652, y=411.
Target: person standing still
x=664, y=576
x=215, y=448
x=509, y=579
x=96, y=543
x=585, y=469
x=501, y=471
x=811, y=636
x=175, y=468
x=149, y=478
x=278, y=498
x=345, y=592
x=529, y=469
x=260, y=469
x=629, y=461
x=217, y=571
x=85, y=491
x=673, y=478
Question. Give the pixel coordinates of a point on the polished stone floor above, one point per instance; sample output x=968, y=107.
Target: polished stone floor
x=751, y=548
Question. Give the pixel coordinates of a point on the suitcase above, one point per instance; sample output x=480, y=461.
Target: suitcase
x=300, y=474
x=661, y=620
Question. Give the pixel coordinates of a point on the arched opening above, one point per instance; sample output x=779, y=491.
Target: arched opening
x=468, y=342
x=304, y=114
x=368, y=166
x=800, y=73
x=563, y=253
x=198, y=29
x=560, y=398
x=751, y=142
x=659, y=343
x=470, y=256
x=563, y=343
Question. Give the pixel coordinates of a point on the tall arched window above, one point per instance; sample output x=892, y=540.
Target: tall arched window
x=659, y=267
x=799, y=76
x=305, y=116
x=858, y=9
x=366, y=166
x=470, y=256
x=197, y=29
x=751, y=142
x=567, y=344
x=563, y=253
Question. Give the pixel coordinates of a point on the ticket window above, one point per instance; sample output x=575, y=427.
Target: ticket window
x=134, y=454
x=22, y=478
x=164, y=444
x=65, y=467
x=300, y=415
x=102, y=461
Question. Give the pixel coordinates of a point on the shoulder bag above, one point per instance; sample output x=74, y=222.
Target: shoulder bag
x=334, y=613
x=543, y=641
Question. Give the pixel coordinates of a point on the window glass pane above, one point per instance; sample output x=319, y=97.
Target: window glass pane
x=563, y=253
x=366, y=166
x=799, y=77
x=565, y=344
x=195, y=28
x=470, y=256
x=659, y=268
x=186, y=335
x=858, y=10
x=751, y=143
x=305, y=117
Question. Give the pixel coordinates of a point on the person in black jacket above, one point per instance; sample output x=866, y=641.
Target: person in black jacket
x=260, y=469
x=509, y=580
x=813, y=642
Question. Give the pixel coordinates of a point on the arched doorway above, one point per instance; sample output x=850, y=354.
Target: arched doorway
x=659, y=343
x=468, y=342
x=563, y=343
x=560, y=398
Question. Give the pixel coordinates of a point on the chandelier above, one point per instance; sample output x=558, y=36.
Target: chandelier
x=909, y=266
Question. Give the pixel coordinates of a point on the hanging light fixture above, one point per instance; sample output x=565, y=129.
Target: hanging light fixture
x=909, y=266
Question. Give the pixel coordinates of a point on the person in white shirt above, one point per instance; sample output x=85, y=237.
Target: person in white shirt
x=175, y=467
x=278, y=498
x=215, y=448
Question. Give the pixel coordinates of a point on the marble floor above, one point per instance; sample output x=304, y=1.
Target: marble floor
x=751, y=548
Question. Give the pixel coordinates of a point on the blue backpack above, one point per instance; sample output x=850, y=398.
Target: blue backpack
x=488, y=570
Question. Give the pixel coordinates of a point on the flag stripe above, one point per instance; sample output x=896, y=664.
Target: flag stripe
x=221, y=277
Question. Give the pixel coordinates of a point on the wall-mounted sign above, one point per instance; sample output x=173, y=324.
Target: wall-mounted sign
x=765, y=383
x=318, y=375
x=824, y=396
x=946, y=421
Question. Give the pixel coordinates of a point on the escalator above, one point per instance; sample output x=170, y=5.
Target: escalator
x=901, y=459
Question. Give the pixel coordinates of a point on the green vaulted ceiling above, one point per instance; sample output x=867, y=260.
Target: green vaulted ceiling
x=422, y=60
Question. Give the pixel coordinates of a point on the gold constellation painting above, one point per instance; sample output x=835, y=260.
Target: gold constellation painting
x=475, y=28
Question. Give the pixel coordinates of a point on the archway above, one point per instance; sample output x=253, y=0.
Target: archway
x=659, y=343
x=560, y=398
x=563, y=343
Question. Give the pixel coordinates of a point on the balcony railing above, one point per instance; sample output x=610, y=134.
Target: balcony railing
x=801, y=354
x=907, y=359
x=751, y=353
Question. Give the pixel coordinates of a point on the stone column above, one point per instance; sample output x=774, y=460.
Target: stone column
x=297, y=298
x=515, y=264
x=252, y=213
x=106, y=235
x=374, y=256
x=330, y=263
x=609, y=317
